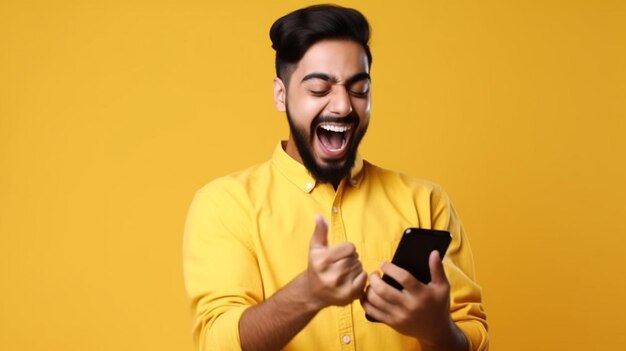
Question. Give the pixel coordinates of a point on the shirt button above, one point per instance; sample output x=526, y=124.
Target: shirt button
x=346, y=339
x=308, y=186
x=335, y=209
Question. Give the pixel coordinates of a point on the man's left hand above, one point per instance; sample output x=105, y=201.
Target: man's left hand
x=419, y=310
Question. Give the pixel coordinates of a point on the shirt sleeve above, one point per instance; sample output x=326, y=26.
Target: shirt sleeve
x=466, y=307
x=221, y=272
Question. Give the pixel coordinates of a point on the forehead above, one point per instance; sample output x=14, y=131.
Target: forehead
x=341, y=59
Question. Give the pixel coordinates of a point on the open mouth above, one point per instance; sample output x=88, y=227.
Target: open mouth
x=334, y=138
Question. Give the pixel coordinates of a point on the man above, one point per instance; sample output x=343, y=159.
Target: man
x=265, y=270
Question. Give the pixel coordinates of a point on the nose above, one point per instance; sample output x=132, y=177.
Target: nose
x=340, y=104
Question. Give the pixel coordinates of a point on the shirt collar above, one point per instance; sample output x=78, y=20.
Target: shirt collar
x=300, y=176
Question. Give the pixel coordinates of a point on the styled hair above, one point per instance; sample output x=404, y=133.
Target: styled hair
x=293, y=34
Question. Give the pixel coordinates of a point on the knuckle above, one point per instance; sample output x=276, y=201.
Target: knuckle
x=413, y=305
x=377, y=288
x=350, y=248
x=409, y=283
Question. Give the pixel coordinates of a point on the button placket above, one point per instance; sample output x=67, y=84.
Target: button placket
x=345, y=322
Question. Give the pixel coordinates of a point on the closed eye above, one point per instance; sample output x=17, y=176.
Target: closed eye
x=359, y=93
x=359, y=88
x=319, y=93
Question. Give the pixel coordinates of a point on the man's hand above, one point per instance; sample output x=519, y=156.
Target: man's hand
x=419, y=310
x=335, y=275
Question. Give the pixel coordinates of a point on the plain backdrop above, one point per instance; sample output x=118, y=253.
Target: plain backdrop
x=113, y=113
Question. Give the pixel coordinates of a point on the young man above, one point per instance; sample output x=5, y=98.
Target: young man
x=265, y=270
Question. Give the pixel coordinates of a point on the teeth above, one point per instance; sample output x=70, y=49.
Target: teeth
x=335, y=128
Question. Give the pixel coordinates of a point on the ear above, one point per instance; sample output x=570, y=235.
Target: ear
x=280, y=94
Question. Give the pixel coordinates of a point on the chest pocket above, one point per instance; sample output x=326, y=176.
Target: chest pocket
x=372, y=254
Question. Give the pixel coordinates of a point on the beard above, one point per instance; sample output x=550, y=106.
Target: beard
x=333, y=171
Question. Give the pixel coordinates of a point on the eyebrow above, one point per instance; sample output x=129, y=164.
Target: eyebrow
x=323, y=76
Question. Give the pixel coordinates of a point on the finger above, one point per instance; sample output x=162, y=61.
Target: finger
x=352, y=265
x=359, y=282
x=402, y=276
x=348, y=269
x=320, y=234
x=383, y=290
x=437, y=273
x=373, y=313
x=345, y=250
x=377, y=299
x=367, y=306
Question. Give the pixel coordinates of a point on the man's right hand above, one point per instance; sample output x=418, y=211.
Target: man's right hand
x=335, y=275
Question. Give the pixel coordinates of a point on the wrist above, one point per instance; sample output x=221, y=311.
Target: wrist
x=448, y=337
x=309, y=301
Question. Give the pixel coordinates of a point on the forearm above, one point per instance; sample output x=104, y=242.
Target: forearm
x=273, y=323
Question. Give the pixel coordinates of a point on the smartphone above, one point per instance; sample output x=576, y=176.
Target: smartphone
x=414, y=251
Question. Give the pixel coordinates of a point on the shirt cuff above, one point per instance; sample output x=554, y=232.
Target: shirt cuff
x=223, y=333
x=477, y=338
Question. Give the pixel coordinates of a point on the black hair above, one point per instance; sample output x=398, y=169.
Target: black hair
x=293, y=34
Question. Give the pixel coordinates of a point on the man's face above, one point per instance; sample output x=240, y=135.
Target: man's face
x=327, y=102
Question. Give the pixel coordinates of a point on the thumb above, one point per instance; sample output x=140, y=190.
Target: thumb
x=320, y=234
x=435, y=262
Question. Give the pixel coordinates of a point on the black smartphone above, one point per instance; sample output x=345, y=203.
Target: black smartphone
x=414, y=251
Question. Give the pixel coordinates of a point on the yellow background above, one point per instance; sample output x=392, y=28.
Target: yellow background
x=112, y=113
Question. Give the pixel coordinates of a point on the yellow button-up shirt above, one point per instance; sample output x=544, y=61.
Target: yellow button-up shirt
x=247, y=235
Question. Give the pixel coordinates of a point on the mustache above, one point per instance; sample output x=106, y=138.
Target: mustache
x=352, y=119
